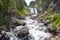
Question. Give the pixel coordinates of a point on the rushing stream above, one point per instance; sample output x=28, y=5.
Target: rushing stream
x=37, y=31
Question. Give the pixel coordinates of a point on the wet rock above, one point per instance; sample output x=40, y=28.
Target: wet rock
x=47, y=22
x=21, y=17
x=3, y=34
x=23, y=24
x=52, y=30
x=24, y=30
x=58, y=32
x=23, y=34
x=55, y=38
x=6, y=37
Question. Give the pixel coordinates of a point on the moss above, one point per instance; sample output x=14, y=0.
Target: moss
x=55, y=21
x=20, y=21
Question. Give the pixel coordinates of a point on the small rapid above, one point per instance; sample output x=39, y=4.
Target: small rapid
x=37, y=30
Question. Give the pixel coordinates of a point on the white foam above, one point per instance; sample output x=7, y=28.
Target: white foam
x=28, y=2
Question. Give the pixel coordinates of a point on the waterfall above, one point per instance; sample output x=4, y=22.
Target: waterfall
x=33, y=11
x=37, y=31
x=28, y=2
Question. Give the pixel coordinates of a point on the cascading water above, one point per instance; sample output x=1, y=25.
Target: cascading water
x=38, y=31
x=28, y=2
